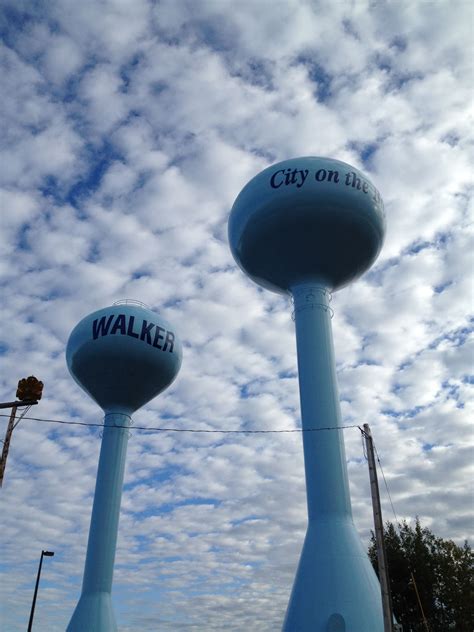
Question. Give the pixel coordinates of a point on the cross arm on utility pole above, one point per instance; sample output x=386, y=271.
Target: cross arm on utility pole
x=379, y=536
x=18, y=403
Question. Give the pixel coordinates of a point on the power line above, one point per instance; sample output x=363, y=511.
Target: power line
x=195, y=430
x=386, y=484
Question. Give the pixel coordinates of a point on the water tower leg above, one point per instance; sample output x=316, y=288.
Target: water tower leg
x=335, y=588
x=94, y=610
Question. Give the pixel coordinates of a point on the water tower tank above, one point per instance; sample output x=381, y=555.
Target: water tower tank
x=305, y=227
x=305, y=219
x=122, y=356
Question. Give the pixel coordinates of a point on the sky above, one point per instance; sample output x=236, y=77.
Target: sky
x=129, y=128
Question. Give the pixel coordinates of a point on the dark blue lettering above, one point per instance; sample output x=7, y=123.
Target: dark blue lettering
x=101, y=327
x=158, y=336
x=169, y=340
x=273, y=183
x=291, y=176
x=146, y=328
x=303, y=174
x=130, y=331
x=333, y=175
x=321, y=175
x=119, y=324
x=352, y=178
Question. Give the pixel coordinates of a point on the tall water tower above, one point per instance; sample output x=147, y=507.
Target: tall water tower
x=305, y=227
x=122, y=356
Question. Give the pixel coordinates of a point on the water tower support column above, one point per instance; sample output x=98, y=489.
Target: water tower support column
x=94, y=611
x=325, y=462
x=335, y=588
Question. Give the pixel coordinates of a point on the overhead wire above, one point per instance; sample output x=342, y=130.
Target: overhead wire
x=385, y=483
x=195, y=430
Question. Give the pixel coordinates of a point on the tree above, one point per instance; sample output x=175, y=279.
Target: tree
x=444, y=575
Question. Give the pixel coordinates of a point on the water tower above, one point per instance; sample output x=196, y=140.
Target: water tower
x=122, y=356
x=306, y=227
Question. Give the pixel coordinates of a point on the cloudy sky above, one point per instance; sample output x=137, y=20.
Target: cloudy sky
x=129, y=127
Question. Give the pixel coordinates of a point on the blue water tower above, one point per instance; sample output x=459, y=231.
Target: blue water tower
x=306, y=227
x=122, y=356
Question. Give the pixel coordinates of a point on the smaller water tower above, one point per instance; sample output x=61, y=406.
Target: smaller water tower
x=306, y=227
x=122, y=356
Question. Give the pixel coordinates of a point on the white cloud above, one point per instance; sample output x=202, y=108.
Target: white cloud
x=130, y=127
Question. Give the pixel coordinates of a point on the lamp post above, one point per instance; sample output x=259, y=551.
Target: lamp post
x=47, y=554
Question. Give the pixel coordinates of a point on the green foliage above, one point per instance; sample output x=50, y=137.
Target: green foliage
x=444, y=575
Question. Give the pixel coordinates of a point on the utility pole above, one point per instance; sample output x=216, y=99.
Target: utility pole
x=6, y=443
x=32, y=612
x=379, y=539
x=28, y=393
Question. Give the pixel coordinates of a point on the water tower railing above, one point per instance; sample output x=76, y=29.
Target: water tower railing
x=131, y=301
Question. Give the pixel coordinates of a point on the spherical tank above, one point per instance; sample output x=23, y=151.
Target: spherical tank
x=307, y=219
x=123, y=356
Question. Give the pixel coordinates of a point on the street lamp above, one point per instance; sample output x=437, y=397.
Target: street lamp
x=47, y=554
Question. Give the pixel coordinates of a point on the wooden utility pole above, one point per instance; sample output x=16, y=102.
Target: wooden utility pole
x=379, y=539
x=6, y=443
x=28, y=393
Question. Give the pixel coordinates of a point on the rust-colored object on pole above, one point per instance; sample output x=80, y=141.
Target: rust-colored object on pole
x=29, y=388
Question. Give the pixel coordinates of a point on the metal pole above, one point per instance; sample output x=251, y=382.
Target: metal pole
x=30, y=624
x=379, y=537
x=6, y=443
